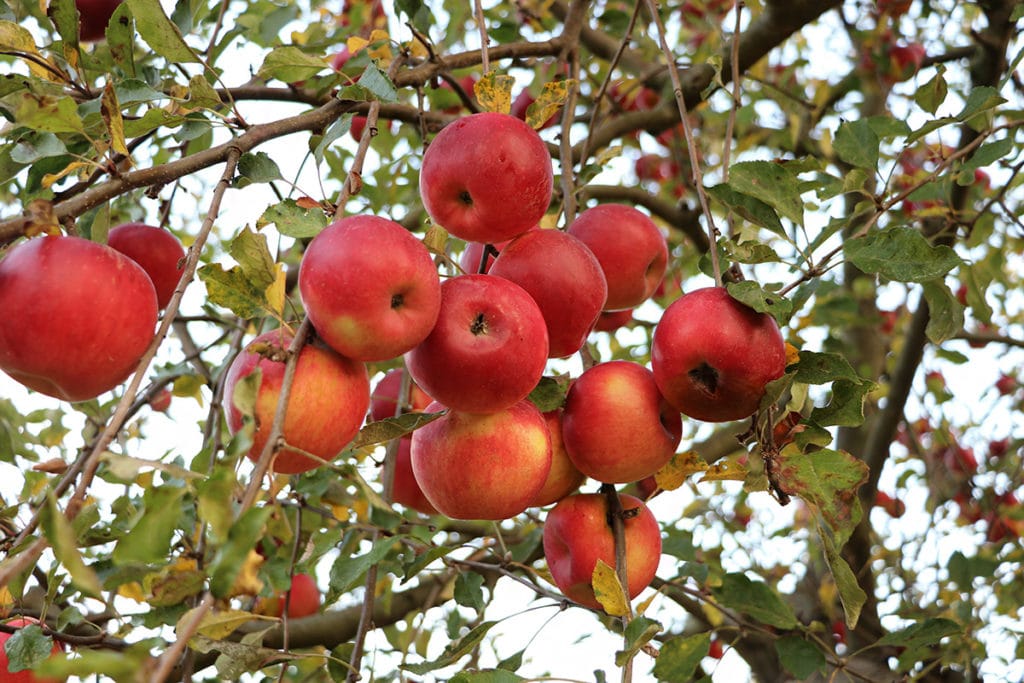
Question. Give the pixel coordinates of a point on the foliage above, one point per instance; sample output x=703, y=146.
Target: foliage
x=870, y=203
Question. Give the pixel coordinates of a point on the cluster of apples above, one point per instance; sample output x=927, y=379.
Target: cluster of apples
x=92, y=308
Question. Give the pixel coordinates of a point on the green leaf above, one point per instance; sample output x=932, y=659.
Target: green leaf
x=61, y=535
x=761, y=300
x=150, y=537
x=987, y=154
x=26, y=649
x=828, y=481
x=382, y=431
x=919, y=638
x=756, y=599
x=846, y=406
x=748, y=208
x=772, y=183
x=455, y=650
x=258, y=167
x=822, y=368
x=486, y=676
x=549, y=394
x=799, y=657
x=946, y=314
x=638, y=633
x=290, y=64
x=418, y=12
x=901, y=254
x=159, y=32
x=749, y=252
x=680, y=656
x=47, y=113
x=201, y=95
x=292, y=220
x=933, y=93
x=378, y=84
x=232, y=290
x=980, y=100
x=122, y=666
x=345, y=571
x=250, y=249
x=243, y=536
x=214, y=500
x=469, y=590
x=35, y=146
x=857, y=144
x=335, y=131
x=850, y=592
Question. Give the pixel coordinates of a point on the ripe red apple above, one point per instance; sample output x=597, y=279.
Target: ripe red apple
x=1006, y=384
x=25, y=676
x=488, y=349
x=577, y=535
x=617, y=426
x=482, y=466
x=564, y=477
x=75, y=316
x=161, y=401
x=565, y=279
x=384, y=399
x=895, y=508
x=329, y=398
x=486, y=178
x=630, y=248
x=369, y=287
x=158, y=252
x=93, y=17
x=715, y=650
x=713, y=356
x=905, y=61
x=303, y=601
x=609, y=321
x=404, y=488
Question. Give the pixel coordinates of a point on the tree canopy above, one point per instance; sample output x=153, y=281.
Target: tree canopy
x=851, y=170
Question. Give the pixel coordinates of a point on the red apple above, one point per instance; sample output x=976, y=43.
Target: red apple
x=158, y=252
x=1006, y=384
x=75, y=316
x=488, y=349
x=609, y=321
x=715, y=650
x=997, y=448
x=482, y=466
x=25, y=676
x=563, y=277
x=161, y=401
x=93, y=17
x=895, y=508
x=630, y=248
x=617, y=427
x=486, y=178
x=905, y=61
x=563, y=478
x=369, y=287
x=713, y=356
x=304, y=599
x=384, y=399
x=577, y=535
x=329, y=398
x=405, y=489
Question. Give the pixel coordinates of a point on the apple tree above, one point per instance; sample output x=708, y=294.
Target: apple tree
x=757, y=309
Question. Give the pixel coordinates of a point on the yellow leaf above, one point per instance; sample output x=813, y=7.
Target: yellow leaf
x=675, y=472
x=41, y=218
x=50, y=178
x=608, y=590
x=713, y=614
x=494, y=92
x=551, y=99
x=189, y=386
x=642, y=607
x=275, y=293
x=792, y=354
x=435, y=239
x=217, y=625
x=248, y=580
x=133, y=591
x=16, y=39
x=111, y=111
x=355, y=44
x=725, y=470
x=6, y=602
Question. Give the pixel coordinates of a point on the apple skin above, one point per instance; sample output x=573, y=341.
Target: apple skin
x=617, y=427
x=384, y=399
x=469, y=261
x=304, y=600
x=565, y=279
x=609, y=321
x=488, y=349
x=482, y=466
x=712, y=356
x=93, y=17
x=22, y=676
x=158, y=252
x=329, y=398
x=630, y=248
x=486, y=177
x=405, y=489
x=577, y=535
x=75, y=316
x=369, y=287
x=563, y=478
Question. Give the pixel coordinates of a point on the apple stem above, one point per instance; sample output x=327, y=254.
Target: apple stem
x=691, y=144
x=617, y=522
x=489, y=251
